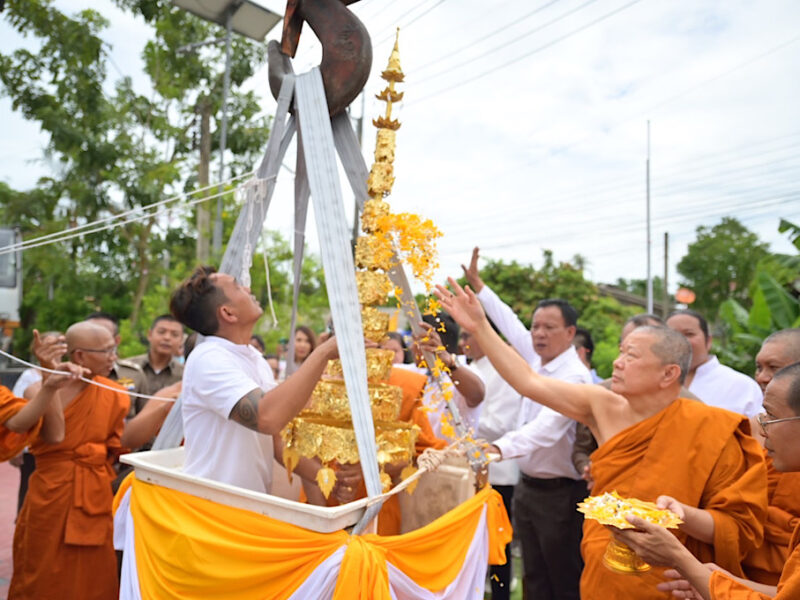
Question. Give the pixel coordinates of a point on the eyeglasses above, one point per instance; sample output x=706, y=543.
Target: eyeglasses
x=106, y=351
x=763, y=423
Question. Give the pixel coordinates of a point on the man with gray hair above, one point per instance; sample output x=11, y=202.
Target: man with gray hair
x=651, y=443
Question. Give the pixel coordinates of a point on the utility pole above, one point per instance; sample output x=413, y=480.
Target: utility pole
x=223, y=135
x=666, y=308
x=649, y=244
x=203, y=212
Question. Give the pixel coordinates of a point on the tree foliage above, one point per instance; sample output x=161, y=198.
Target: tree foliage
x=720, y=264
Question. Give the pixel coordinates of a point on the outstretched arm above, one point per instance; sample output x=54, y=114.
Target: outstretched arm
x=270, y=412
x=46, y=404
x=573, y=400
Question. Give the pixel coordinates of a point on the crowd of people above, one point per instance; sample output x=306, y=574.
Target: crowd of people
x=672, y=425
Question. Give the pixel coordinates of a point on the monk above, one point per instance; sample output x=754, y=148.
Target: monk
x=765, y=563
x=780, y=425
x=63, y=541
x=22, y=421
x=651, y=442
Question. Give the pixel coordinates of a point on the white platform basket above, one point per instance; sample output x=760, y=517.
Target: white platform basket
x=163, y=467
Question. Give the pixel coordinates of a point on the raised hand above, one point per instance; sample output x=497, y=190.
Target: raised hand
x=472, y=274
x=461, y=304
x=49, y=350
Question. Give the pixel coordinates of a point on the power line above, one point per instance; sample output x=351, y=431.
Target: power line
x=411, y=22
x=502, y=29
x=515, y=60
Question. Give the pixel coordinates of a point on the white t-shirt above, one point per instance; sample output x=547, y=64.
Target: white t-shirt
x=26, y=379
x=218, y=374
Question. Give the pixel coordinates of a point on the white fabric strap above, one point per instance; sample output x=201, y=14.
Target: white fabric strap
x=337, y=260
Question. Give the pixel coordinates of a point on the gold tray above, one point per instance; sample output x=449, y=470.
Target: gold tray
x=329, y=399
x=331, y=439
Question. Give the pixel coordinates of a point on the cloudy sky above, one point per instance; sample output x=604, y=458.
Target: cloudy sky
x=525, y=122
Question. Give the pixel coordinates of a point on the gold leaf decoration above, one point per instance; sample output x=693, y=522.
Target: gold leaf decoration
x=326, y=479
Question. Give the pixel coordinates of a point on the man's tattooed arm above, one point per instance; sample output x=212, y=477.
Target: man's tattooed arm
x=245, y=412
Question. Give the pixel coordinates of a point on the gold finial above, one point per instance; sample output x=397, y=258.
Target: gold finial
x=393, y=70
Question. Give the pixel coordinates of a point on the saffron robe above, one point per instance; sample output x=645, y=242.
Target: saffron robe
x=700, y=455
x=765, y=563
x=725, y=588
x=63, y=546
x=11, y=442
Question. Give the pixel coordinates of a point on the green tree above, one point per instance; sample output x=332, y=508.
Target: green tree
x=116, y=151
x=720, y=264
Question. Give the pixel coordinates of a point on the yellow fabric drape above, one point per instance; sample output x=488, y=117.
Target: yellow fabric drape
x=188, y=547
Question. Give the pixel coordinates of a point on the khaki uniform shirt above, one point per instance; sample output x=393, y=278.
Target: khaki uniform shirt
x=152, y=381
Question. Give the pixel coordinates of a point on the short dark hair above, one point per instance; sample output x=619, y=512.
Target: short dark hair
x=643, y=319
x=671, y=347
x=259, y=340
x=451, y=329
x=568, y=312
x=105, y=316
x=164, y=317
x=793, y=371
x=583, y=339
x=693, y=313
x=196, y=301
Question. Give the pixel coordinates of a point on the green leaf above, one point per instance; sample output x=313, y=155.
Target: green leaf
x=734, y=315
x=783, y=307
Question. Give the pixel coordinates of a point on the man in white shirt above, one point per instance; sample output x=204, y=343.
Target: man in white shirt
x=714, y=383
x=501, y=407
x=233, y=411
x=544, y=501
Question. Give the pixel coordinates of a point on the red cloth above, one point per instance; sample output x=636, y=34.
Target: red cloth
x=700, y=455
x=63, y=547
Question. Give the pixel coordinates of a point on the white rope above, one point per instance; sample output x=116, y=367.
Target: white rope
x=72, y=232
x=8, y=249
x=89, y=381
x=269, y=288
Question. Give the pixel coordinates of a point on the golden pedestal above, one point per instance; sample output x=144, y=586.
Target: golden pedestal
x=621, y=559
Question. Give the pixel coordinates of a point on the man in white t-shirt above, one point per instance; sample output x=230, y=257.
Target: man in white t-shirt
x=714, y=383
x=233, y=411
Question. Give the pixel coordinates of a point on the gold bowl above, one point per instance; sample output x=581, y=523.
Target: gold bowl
x=332, y=439
x=379, y=365
x=620, y=558
x=329, y=399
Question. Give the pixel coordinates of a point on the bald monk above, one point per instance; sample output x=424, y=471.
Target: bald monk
x=651, y=442
x=63, y=541
x=765, y=563
x=780, y=424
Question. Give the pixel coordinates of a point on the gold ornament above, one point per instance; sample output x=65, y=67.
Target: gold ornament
x=379, y=365
x=373, y=211
x=373, y=287
x=329, y=399
x=386, y=481
x=375, y=323
x=326, y=479
x=373, y=253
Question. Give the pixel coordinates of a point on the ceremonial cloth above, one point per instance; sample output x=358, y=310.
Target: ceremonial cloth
x=181, y=546
x=724, y=588
x=698, y=454
x=11, y=442
x=765, y=563
x=63, y=541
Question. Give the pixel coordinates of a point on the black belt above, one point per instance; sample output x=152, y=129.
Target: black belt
x=549, y=483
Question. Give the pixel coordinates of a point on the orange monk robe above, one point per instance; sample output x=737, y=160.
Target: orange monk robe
x=413, y=384
x=11, y=442
x=765, y=563
x=725, y=588
x=63, y=546
x=698, y=454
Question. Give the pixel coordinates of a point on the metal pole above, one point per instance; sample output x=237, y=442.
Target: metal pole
x=666, y=273
x=223, y=135
x=649, y=273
